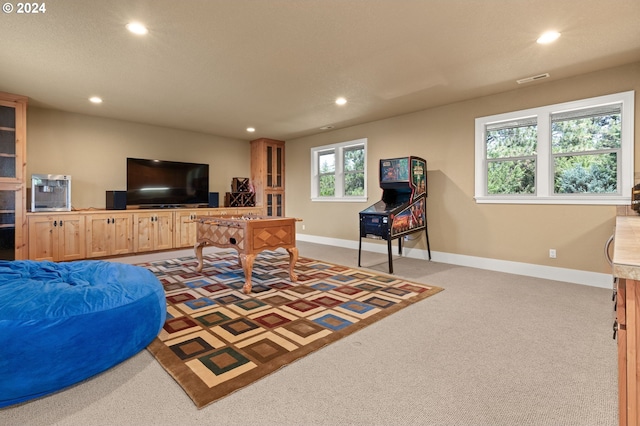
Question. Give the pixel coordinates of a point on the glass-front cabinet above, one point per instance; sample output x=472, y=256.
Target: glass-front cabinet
x=267, y=174
x=13, y=151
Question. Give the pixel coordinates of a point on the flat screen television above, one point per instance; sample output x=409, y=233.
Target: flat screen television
x=159, y=184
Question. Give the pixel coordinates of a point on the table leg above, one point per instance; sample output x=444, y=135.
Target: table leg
x=293, y=258
x=247, y=266
x=198, y=248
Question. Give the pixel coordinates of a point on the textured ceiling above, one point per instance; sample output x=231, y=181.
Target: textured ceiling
x=220, y=66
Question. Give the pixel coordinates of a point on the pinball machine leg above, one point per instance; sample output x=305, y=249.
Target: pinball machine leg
x=426, y=231
x=359, y=250
x=390, y=259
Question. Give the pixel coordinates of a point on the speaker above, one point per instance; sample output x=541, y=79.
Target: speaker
x=116, y=200
x=213, y=199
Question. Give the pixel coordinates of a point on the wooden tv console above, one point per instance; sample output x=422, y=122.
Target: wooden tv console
x=87, y=234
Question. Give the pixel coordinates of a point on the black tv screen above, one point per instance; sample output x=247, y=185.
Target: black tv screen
x=156, y=183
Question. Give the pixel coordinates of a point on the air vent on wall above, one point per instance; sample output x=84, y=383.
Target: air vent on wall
x=534, y=78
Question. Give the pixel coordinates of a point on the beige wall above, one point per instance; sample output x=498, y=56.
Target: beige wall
x=445, y=138
x=94, y=150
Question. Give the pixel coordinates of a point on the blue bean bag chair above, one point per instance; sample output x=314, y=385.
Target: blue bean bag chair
x=61, y=323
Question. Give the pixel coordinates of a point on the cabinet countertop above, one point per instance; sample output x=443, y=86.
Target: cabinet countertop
x=626, y=248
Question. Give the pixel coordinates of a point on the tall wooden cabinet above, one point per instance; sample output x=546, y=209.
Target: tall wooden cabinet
x=13, y=153
x=267, y=174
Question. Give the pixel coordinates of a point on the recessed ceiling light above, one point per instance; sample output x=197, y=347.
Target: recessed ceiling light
x=137, y=28
x=548, y=37
x=326, y=127
x=250, y=129
x=341, y=101
x=95, y=100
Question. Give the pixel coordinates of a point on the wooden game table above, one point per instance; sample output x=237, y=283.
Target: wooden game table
x=249, y=235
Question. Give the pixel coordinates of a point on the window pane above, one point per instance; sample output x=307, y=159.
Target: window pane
x=596, y=174
x=515, y=139
x=511, y=177
x=586, y=133
x=354, y=159
x=327, y=185
x=327, y=162
x=354, y=184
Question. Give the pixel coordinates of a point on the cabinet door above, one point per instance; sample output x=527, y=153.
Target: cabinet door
x=42, y=239
x=10, y=167
x=275, y=203
x=71, y=237
x=163, y=229
x=275, y=166
x=185, y=229
x=143, y=232
x=9, y=205
x=98, y=232
x=121, y=237
x=109, y=234
x=153, y=231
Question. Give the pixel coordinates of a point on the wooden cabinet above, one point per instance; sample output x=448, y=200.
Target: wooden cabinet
x=109, y=234
x=13, y=153
x=626, y=269
x=628, y=335
x=152, y=231
x=267, y=174
x=94, y=234
x=56, y=237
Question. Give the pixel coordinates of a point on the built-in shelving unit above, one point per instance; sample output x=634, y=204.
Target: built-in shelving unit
x=13, y=152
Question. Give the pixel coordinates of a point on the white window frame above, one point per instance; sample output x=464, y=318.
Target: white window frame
x=544, y=166
x=339, y=149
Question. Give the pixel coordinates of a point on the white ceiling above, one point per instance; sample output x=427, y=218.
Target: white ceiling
x=220, y=66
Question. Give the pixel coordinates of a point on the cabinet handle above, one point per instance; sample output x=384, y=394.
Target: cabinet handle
x=606, y=249
x=55, y=223
x=60, y=223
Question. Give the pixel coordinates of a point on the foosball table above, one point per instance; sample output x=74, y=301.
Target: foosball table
x=249, y=235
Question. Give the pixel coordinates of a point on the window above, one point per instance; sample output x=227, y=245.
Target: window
x=339, y=172
x=572, y=153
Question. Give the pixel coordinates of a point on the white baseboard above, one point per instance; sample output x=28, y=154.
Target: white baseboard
x=593, y=279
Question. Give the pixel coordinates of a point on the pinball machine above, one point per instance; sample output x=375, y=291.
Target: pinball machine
x=402, y=209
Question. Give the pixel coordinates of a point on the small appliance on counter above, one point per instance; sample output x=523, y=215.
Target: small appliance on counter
x=50, y=193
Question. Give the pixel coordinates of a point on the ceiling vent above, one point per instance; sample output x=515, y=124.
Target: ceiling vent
x=534, y=78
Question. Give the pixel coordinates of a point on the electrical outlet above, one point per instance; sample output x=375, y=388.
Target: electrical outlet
x=303, y=227
x=552, y=253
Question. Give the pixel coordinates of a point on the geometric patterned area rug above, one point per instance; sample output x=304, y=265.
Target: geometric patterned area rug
x=217, y=339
